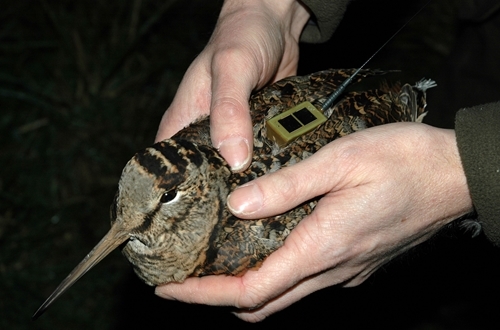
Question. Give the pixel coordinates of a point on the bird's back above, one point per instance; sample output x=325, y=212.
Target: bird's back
x=237, y=245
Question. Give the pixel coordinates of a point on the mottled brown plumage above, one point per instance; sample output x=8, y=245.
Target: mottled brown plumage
x=170, y=208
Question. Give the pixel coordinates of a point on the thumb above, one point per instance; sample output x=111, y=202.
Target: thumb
x=230, y=121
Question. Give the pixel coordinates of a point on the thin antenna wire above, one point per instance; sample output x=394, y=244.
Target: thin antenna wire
x=329, y=101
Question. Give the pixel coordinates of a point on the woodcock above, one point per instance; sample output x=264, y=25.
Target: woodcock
x=170, y=209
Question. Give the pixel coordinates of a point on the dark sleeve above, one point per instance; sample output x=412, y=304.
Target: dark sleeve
x=325, y=16
x=478, y=139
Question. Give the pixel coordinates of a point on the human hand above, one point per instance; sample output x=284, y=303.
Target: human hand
x=385, y=190
x=254, y=43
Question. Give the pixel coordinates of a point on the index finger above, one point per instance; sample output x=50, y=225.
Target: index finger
x=230, y=121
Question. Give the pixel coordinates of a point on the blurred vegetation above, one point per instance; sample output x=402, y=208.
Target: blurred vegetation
x=83, y=84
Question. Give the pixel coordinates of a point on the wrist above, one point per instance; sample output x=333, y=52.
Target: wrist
x=451, y=198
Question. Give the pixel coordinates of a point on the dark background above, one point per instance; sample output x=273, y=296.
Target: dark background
x=83, y=85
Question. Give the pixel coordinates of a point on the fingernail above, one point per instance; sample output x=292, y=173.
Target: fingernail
x=236, y=152
x=245, y=200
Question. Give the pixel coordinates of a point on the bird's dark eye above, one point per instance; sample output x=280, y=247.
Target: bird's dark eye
x=168, y=196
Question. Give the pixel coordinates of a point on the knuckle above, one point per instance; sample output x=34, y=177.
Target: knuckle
x=237, y=60
x=250, y=299
x=348, y=153
x=228, y=54
x=229, y=108
x=285, y=188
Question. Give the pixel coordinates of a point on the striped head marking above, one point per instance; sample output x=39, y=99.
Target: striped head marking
x=168, y=202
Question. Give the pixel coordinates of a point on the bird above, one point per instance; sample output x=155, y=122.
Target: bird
x=169, y=214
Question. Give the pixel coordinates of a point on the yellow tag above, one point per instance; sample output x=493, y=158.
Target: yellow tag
x=297, y=121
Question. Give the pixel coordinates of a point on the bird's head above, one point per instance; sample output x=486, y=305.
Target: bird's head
x=169, y=198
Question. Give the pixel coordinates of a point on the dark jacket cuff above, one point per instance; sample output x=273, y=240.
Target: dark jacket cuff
x=325, y=16
x=478, y=139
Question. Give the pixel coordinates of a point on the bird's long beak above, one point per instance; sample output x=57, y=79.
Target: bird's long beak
x=108, y=243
